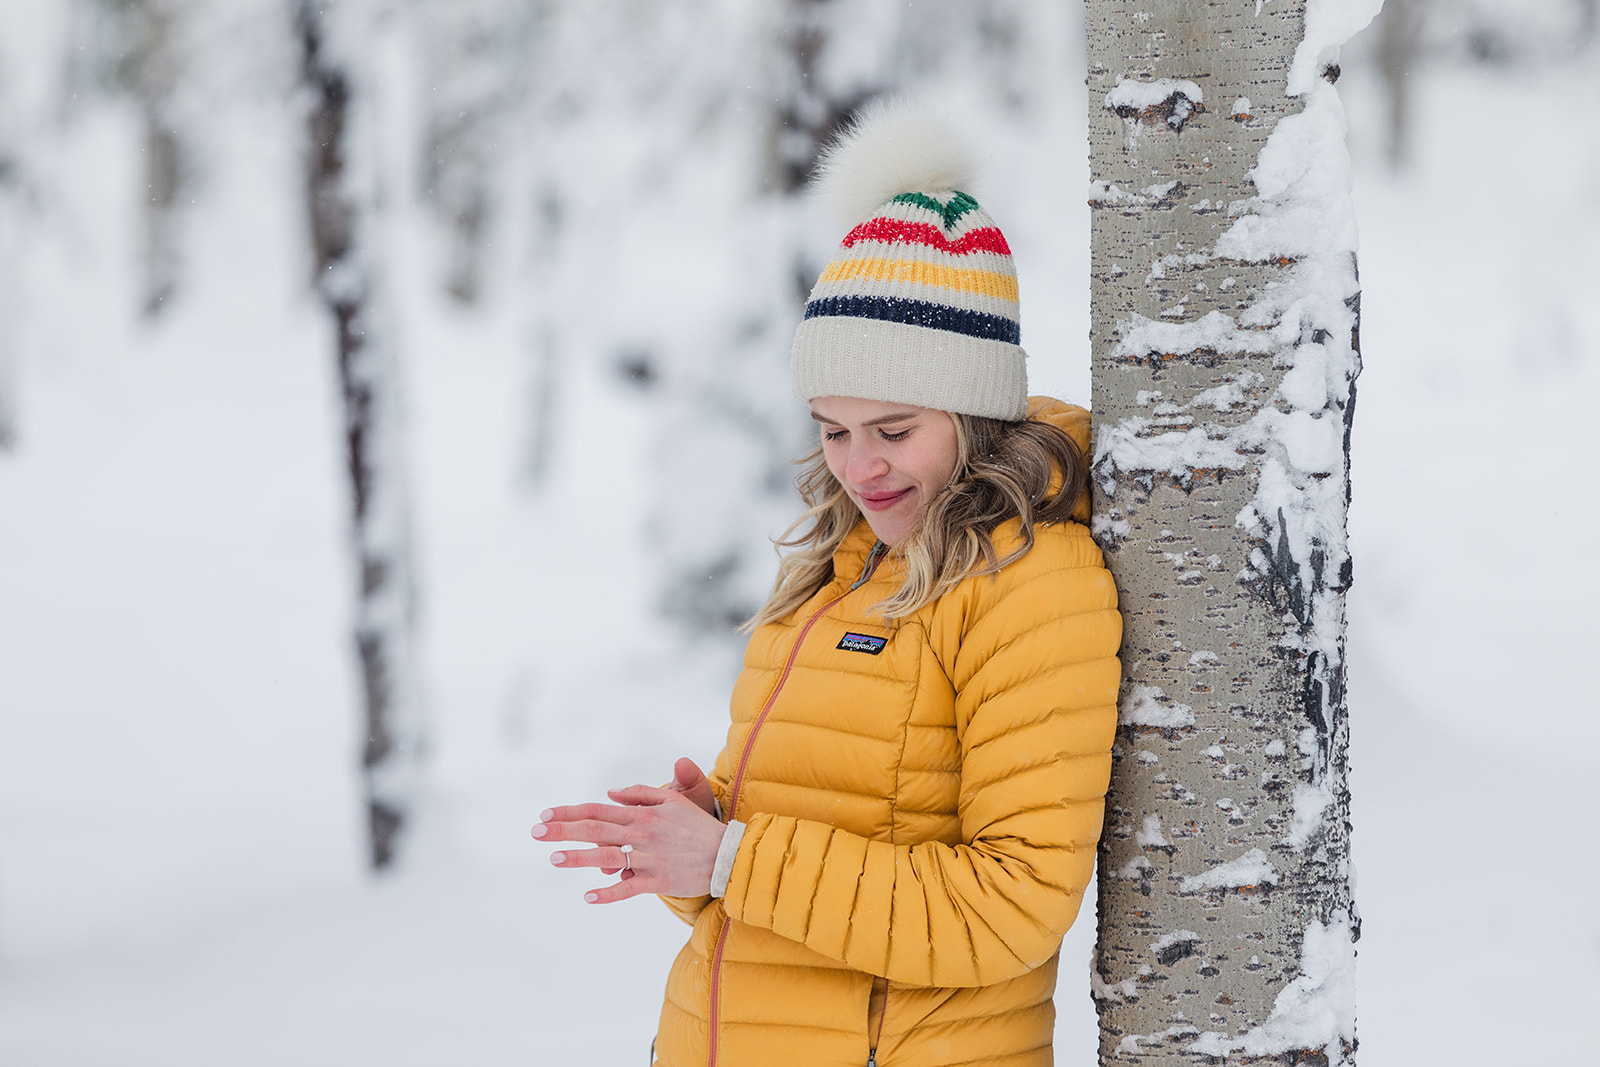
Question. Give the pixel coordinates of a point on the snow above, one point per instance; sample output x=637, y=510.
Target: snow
x=1329, y=24
x=1252, y=868
x=1129, y=1045
x=1134, y=869
x=1147, y=705
x=1149, y=835
x=1113, y=991
x=1176, y=937
x=1139, y=95
x=180, y=838
x=1315, y=1011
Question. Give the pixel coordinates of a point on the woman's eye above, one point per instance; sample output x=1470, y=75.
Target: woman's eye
x=833, y=435
x=899, y=435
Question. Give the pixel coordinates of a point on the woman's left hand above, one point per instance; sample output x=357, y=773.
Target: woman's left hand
x=674, y=842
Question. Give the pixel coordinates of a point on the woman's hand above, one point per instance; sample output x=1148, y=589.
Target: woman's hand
x=674, y=839
x=690, y=780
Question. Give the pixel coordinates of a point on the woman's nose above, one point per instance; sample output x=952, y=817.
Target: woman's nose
x=866, y=463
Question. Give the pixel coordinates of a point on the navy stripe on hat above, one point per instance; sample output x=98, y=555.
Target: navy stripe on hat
x=918, y=313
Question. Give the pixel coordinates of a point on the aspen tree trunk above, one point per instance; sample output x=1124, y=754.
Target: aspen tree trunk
x=10, y=303
x=1399, y=33
x=715, y=583
x=155, y=75
x=476, y=52
x=342, y=195
x=806, y=110
x=1225, y=349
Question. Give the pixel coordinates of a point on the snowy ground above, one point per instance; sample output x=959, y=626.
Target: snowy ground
x=179, y=837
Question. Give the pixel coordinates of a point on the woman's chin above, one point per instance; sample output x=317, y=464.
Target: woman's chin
x=889, y=528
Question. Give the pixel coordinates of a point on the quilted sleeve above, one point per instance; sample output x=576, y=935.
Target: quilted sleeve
x=1033, y=663
x=689, y=908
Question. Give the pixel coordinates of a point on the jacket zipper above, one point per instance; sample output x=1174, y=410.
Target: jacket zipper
x=879, y=549
x=883, y=1013
x=874, y=557
x=716, y=987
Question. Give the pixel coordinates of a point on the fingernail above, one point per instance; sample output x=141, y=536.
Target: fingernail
x=540, y=829
x=558, y=858
x=592, y=898
x=547, y=814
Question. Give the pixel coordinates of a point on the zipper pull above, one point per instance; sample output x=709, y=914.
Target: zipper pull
x=872, y=1058
x=879, y=550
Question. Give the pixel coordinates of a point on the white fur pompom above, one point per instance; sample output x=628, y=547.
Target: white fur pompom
x=891, y=147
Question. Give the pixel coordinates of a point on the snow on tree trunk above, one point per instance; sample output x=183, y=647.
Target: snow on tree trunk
x=1224, y=326
x=343, y=198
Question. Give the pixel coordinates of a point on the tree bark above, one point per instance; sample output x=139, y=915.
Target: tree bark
x=155, y=74
x=476, y=54
x=10, y=304
x=342, y=196
x=1399, y=33
x=1224, y=314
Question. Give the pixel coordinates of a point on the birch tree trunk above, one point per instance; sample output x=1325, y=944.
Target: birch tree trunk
x=10, y=304
x=714, y=583
x=1399, y=34
x=343, y=198
x=155, y=74
x=476, y=53
x=1225, y=350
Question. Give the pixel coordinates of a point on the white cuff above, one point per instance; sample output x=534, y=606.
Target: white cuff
x=725, y=854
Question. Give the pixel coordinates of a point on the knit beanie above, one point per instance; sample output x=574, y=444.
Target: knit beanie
x=919, y=303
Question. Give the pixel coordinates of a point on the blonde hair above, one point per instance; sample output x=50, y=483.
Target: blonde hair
x=1029, y=470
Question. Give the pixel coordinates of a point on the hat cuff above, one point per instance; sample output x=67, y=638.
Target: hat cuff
x=906, y=364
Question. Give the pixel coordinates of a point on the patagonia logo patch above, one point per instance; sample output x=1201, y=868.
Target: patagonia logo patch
x=862, y=643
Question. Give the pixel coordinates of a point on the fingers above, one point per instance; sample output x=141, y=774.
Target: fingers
x=608, y=859
x=610, y=894
x=686, y=774
x=580, y=812
x=592, y=831
x=639, y=795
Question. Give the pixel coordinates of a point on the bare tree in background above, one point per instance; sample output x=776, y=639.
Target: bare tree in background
x=1399, y=33
x=1224, y=317
x=740, y=392
x=475, y=55
x=343, y=201
x=154, y=71
x=806, y=109
x=10, y=224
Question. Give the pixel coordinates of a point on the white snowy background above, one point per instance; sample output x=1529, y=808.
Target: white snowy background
x=182, y=874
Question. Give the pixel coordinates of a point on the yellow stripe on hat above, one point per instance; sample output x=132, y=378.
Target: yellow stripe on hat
x=961, y=279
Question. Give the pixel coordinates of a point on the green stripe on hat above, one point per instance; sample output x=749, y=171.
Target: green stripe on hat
x=950, y=211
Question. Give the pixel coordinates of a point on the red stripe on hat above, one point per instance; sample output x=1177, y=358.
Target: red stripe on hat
x=982, y=239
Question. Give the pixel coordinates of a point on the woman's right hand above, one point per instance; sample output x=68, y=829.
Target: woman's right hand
x=690, y=780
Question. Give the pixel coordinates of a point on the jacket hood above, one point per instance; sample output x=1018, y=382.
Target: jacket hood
x=1074, y=420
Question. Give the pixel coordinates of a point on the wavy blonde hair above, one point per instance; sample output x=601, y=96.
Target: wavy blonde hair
x=1030, y=469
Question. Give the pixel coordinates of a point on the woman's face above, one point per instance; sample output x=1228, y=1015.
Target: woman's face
x=892, y=459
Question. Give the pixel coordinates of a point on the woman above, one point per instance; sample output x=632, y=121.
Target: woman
x=881, y=864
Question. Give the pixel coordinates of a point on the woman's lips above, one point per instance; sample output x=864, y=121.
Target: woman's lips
x=882, y=501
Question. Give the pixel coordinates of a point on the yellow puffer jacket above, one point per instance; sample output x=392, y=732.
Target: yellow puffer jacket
x=922, y=805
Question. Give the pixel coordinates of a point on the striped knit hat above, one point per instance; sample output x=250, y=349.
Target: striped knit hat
x=919, y=303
